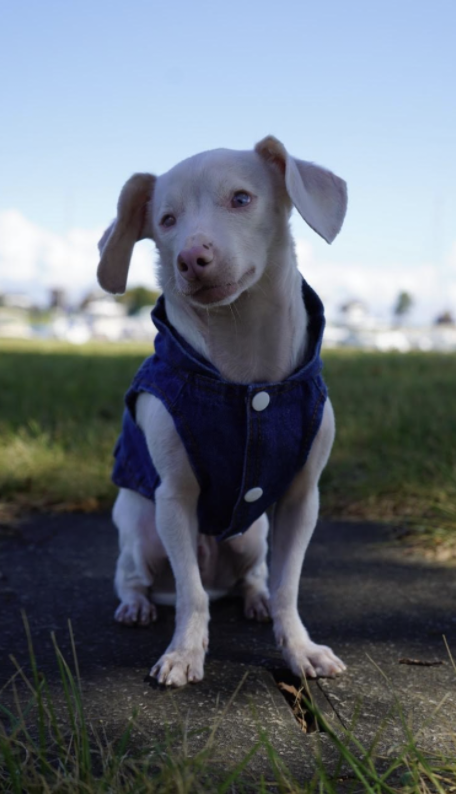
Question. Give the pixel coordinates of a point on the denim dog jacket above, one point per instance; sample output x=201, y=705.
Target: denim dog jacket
x=245, y=443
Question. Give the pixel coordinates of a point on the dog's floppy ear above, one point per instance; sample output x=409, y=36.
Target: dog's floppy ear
x=319, y=195
x=133, y=223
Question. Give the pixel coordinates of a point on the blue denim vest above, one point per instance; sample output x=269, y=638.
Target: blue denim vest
x=244, y=453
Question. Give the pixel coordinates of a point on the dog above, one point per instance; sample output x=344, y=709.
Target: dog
x=228, y=427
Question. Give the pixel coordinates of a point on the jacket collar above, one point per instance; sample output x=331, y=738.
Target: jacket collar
x=172, y=347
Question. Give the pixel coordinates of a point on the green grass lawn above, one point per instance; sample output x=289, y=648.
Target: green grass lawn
x=394, y=458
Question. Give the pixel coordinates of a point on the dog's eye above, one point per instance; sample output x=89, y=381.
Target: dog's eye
x=168, y=220
x=240, y=199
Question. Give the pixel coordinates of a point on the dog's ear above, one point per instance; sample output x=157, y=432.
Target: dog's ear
x=319, y=195
x=133, y=223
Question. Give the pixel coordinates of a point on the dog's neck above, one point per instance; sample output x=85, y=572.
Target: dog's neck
x=260, y=337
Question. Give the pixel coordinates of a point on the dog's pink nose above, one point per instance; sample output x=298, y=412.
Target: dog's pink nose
x=193, y=262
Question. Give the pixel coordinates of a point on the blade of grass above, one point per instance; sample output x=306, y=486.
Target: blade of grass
x=12, y=717
x=125, y=738
x=14, y=768
x=80, y=726
x=66, y=690
x=36, y=681
x=453, y=663
x=281, y=774
x=22, y=727
x=53, y=722
x=361, y=771
x=233, y=776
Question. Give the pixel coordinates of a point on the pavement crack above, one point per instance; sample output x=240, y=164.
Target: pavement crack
x=297, y=697
x=327, y=698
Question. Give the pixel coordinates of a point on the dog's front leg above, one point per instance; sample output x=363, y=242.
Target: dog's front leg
x=183, y=661
x=176, y=501
x=293, y=523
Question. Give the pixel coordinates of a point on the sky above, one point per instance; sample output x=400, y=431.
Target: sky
x=94, y=90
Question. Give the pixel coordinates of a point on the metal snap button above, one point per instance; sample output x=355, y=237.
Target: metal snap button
x=261, y=401
x=253, y=495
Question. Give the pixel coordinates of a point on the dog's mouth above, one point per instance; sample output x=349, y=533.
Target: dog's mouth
x=209, y=294
x=214, y=293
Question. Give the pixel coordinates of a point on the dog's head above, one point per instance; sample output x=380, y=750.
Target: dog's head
x=218, y=219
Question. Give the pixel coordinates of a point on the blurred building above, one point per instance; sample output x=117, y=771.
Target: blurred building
x=103, y=317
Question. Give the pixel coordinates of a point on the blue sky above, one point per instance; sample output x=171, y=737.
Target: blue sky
x=93, y=91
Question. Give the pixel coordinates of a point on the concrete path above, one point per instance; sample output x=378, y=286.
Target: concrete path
x=360, y=593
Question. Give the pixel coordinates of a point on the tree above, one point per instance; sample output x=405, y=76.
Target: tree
x=446, y=318
x=403, y=305
x=136, y=298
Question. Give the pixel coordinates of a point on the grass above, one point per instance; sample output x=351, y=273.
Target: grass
x=393, y=460
x=48, y=744
x=394, y=456
x=60, y=411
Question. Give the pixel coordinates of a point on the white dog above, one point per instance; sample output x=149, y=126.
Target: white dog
x=228, y=427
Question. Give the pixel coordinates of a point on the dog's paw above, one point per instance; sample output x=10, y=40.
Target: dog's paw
x=180, y=667
x=313, y=660
x=136, y=611
x=256, y=607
